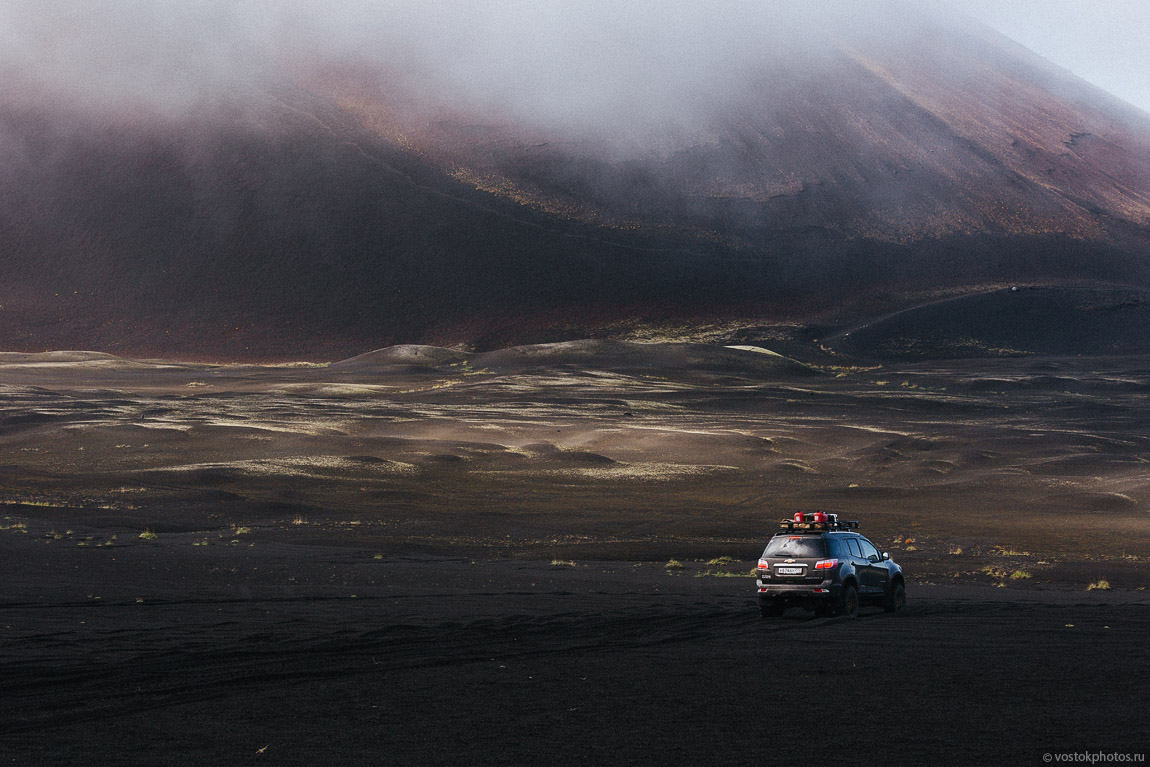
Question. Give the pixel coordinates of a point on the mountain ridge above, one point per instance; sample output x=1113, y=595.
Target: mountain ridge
x=332, y=206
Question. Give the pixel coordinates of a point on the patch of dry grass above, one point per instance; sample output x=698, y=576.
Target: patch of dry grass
x=723, y=574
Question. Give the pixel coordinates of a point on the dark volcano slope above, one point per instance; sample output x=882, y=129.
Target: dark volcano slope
x=1017, y=321
x=331, y=209
x=221, y=239
x=225, y=241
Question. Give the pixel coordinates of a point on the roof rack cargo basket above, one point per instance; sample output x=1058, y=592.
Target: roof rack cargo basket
x=817, y=521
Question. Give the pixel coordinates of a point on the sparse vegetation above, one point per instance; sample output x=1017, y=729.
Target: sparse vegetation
x=562, y=563
x=723, y=574
x=1019, y=575
x=148, y=535
x=1004, y=551
x=1099, y=585
x=721, y=561
x=842, y=371
x=673, y=564
x=34, y=502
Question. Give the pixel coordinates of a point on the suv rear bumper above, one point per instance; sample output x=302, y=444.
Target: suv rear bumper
x=799, y=593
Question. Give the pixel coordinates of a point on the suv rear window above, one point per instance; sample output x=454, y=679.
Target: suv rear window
x=796, y=546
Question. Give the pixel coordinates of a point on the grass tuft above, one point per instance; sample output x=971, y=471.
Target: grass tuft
x=723, y=574
x=673, y=564
x=148, y=535
x=1006, y=551
x=1099, y=585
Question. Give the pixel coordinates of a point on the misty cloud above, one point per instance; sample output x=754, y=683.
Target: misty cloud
x=639, y=63
x=128, y=52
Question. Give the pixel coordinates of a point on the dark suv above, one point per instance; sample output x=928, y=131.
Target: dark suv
x=819, y=563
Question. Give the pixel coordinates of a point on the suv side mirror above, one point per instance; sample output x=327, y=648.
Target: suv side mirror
x=885, y=556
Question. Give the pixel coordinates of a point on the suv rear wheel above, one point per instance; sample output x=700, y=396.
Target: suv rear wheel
x=850, y=601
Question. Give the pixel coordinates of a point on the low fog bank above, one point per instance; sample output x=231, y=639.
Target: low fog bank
x=542, y=62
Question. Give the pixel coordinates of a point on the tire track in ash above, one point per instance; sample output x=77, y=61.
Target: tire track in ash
x=225, y=648
x=98, y=681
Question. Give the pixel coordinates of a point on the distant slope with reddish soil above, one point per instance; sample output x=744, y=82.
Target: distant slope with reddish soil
x=336, y=207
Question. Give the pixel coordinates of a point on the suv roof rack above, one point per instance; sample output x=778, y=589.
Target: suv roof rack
x=816, y=522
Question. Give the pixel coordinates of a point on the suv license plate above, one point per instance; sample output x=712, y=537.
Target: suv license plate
x=789, y=570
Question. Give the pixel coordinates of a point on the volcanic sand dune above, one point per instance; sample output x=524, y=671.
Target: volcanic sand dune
x=543, y=553
x=550, y=437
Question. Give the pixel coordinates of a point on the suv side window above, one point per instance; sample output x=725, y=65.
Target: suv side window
x=854, y=548
x=869, y=551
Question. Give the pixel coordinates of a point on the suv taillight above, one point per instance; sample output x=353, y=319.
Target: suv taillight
x=826, y=564
x=764, y=564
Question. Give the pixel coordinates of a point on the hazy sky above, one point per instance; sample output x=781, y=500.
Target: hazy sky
x=1104, y=41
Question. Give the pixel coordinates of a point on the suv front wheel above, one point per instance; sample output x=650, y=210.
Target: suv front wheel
x=895, y=598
